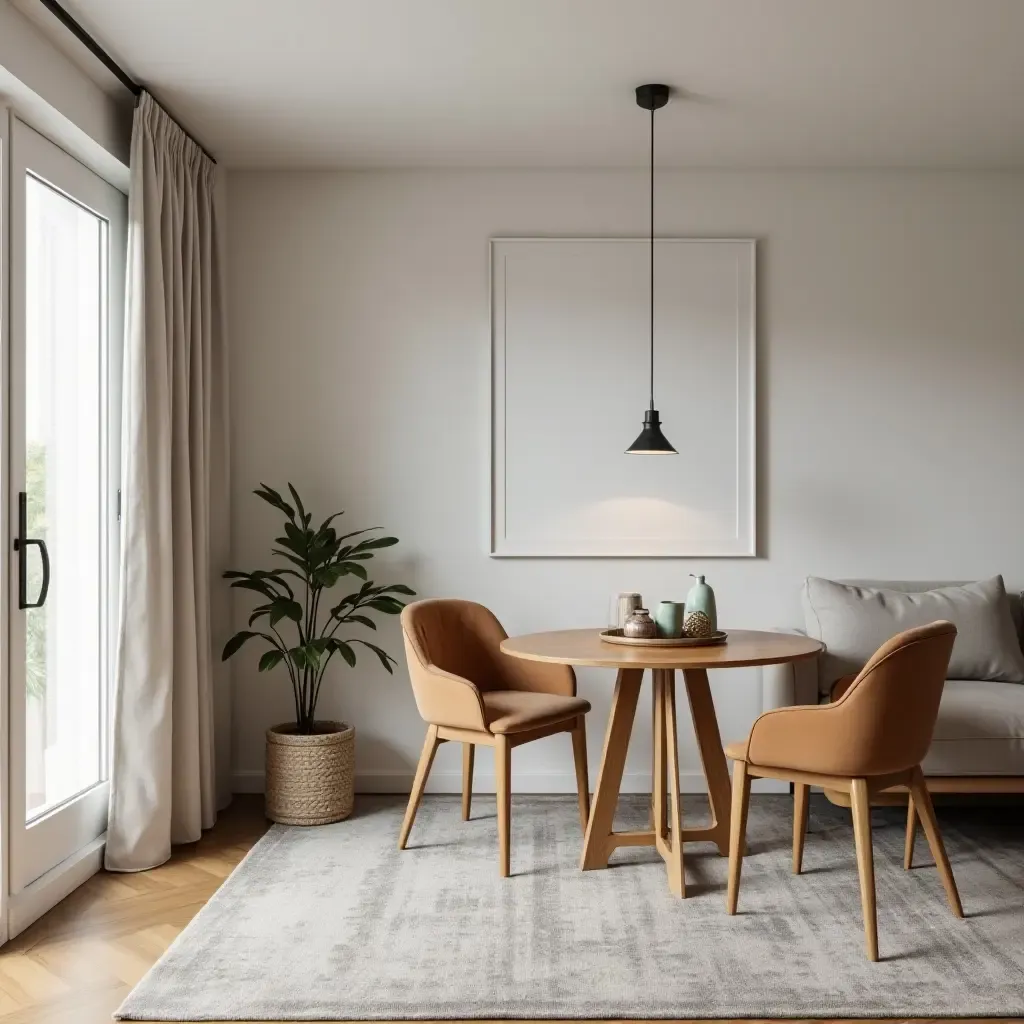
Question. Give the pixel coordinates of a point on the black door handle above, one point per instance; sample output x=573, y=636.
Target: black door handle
x=21, y=545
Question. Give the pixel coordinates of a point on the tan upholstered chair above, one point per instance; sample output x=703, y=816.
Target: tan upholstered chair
x=468, y=691
x=873, y=737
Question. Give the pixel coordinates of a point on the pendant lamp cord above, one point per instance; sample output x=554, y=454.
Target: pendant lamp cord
x=652, y=256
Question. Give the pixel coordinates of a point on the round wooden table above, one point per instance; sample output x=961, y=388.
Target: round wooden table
x=585, y=647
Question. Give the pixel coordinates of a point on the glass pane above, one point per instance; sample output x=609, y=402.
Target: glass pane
x=64, y=349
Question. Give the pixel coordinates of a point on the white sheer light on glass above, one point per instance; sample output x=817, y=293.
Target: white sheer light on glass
x=66, y=261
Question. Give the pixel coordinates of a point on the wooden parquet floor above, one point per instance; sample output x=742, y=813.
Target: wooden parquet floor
x=76, y=964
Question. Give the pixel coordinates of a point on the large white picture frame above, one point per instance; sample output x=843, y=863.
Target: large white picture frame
x=570, y=323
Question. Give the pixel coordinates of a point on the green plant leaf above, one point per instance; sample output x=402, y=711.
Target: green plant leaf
x=291, y=558
x=325, y=576
x=327, y=522
x=269, y=495
x=236, y=642
x=356, y=533
x=274, y=576
x=376, y=542
x=269, y=660
x=258, y=613
x=344, y=650
x=295, y=540
x=326, y=542
x=387, y=605
x=363, y=620
x=350, y=600
x=285, y=608
x=385, y=658
x=352, y=569
x=298, y=504
x=397, y=588
x=257, y=585
x=319, y=555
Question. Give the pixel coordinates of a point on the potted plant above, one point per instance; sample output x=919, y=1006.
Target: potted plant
x=310, y=769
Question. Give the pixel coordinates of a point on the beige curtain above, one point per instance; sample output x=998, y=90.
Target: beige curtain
x=174, y=502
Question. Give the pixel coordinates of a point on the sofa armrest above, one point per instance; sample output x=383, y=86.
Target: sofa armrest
x=782, y=686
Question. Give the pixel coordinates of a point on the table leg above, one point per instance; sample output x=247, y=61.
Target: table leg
x=597, y=846
x=658, y=778
x=673, y=854
x=712, y=756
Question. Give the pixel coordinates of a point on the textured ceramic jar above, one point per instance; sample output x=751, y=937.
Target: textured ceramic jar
x=640, y=625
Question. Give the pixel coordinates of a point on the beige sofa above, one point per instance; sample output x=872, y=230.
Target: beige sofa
x=978, y=744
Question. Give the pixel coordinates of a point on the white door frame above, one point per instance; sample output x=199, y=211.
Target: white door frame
x=6, y=117
x=26, y=894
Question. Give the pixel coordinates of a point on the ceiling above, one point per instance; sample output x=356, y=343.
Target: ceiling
x=549, y=83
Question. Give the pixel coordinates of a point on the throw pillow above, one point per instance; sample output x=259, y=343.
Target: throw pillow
x=853, y=622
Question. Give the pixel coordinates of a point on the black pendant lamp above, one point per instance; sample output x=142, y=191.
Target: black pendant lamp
x=651, y=440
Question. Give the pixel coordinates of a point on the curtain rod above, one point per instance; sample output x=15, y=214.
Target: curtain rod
x=106, y=60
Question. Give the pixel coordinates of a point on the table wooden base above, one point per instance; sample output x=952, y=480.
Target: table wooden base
x=666, y=834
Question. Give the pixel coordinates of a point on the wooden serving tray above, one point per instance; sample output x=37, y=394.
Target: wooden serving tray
x=615, y=636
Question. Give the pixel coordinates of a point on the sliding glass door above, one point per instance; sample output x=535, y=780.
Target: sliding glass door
x=67, y=238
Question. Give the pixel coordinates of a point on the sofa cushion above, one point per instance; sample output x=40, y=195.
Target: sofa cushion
x=854, y=621
x=1014, y=596
x=979, y=731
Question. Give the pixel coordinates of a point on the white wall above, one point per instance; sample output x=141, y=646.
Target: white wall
x=891, y=348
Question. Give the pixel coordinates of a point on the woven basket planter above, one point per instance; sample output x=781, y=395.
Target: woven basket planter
x=310, y=779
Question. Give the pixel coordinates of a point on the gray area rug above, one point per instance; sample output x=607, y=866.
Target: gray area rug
x=335, y=923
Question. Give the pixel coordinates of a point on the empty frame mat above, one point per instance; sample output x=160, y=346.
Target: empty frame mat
x=571, y=378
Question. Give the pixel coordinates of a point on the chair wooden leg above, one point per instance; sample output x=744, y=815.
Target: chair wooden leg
x=923, y=802
x=468, y=756
x=737, y=831
x=801, y=792
x=430, y=745
x=503, y=787
x=908, y=842
x=676, y=877
x=860, y=803
x=579, y=755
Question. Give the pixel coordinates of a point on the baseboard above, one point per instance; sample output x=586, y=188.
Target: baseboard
x=48, y=890
x=251, y=781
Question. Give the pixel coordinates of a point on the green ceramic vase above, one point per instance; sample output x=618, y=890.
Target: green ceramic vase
x=669, y=619
x=701, y=598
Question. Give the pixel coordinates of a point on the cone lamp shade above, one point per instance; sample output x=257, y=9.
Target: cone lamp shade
x=651, y=440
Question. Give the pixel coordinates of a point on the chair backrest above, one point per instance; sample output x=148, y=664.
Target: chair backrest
x=460, y=637
x=891, y=706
